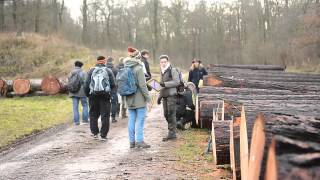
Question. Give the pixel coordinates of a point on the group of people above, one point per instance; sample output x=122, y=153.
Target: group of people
x=102, y=84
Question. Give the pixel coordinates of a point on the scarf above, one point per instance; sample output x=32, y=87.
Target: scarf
x=165, y=68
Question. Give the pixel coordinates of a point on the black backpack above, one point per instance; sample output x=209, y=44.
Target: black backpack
x=74, y=82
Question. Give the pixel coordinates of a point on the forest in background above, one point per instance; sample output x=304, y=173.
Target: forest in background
x=285, y=32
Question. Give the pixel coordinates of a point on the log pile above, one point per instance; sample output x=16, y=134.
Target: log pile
x=22, y=87
x=273, y=117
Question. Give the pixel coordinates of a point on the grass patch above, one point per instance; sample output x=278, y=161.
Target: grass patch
x=312, y=69
x=24, y=116
x=192, y=148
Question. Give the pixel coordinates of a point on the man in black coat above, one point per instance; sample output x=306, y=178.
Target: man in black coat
x=196, y=73
x=185, y=108
x=115, y=106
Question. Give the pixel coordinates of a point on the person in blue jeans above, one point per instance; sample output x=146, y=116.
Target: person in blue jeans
x=137, y=102
x=79, y=96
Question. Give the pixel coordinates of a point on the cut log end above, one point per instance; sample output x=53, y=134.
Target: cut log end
x=50, y=85
x=211, y=81
x=21, y=86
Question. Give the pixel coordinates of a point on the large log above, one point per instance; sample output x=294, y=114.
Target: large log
x=51, y=85
x=216, y=81
x=3, y=87
x=220, y=143
x=294, y=165
x=25, y=86
x=235, y=150
x=266, y=76
x=252, y=67
x=296, y=134
x=33, y=93
x=244, y=91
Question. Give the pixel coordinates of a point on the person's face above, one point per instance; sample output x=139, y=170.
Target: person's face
x=196, y=64
x=163, y=62
x=146, y=56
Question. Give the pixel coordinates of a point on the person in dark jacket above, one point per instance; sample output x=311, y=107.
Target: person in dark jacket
x=185, y=108
x=79, y=96
x=170, y=80
x=196, y=73
x=144, y=58
x=99, y=103
x=114, y=96
x=123, y=98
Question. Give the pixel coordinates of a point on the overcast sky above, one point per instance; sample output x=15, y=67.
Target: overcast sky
x=75, y=5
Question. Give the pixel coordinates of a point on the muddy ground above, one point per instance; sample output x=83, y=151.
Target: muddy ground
x=71, y=153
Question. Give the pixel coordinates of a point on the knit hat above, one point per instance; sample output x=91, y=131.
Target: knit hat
x=164, y=57
x=134, y=52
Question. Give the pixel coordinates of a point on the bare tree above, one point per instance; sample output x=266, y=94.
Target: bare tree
x=1, y=15
x=37, y=17
x=84, y=22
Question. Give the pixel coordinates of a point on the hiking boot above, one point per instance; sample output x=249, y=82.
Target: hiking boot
x=95, y=136
x=143, y=145
x=114, y=119
x=168, y=138
x=132, y=144
x=103, y=138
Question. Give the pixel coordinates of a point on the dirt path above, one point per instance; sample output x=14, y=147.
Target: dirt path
x=74, y=154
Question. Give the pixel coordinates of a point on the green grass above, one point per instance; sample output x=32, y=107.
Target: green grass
x=312, y=69
x=23, y=116
x=193, y=145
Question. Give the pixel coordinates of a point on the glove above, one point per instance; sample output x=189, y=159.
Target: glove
x=162, y=84
x=159, y=100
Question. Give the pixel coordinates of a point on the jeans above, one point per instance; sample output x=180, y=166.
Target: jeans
x=99, y=106
x=84, y=103
x=136, y=115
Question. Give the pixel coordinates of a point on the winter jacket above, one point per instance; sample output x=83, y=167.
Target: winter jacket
x=146, y=64
x=171, y=80
x=88, y=80
x=141, y=97
x=196, y=74
x=82, y=74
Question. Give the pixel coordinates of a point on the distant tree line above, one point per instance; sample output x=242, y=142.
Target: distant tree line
x=245, y=31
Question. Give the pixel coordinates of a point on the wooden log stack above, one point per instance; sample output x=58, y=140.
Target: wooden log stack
x=273, y=117
x=49, y=85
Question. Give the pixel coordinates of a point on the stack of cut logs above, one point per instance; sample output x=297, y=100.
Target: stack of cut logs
x=265, y=122
x=49, y=85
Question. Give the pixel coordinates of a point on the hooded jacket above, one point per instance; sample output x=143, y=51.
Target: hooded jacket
x=82, y=75
x=141, y=97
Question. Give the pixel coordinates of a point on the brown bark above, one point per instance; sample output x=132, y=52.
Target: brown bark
x=221, y=142
x=215, y=81
x=235, y=151
x=251, y=67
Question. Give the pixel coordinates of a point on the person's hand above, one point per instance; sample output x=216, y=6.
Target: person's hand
x=159, y=100
x=162, y=84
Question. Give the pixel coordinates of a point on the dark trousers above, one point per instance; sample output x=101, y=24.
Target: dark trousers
x=114, y=104
x=169, y=109
x=99, y=106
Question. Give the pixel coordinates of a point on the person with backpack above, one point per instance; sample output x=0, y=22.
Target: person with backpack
x=132, y=84
x=144, y=58
x=98, y=86
x=196, y=73
x=170, y=80
x=114, y=96
x=75, y=87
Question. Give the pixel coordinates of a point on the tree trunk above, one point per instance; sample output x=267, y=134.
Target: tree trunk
x=2, y=15
x=55, y=13
x=14, y=13
x=297, y=137
x=84, y=22
x=244, y=91
x=61, y=13
x=211, y=80
x=25, y=86
x=37, y=17
x=51, y=85
x=251, y=67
